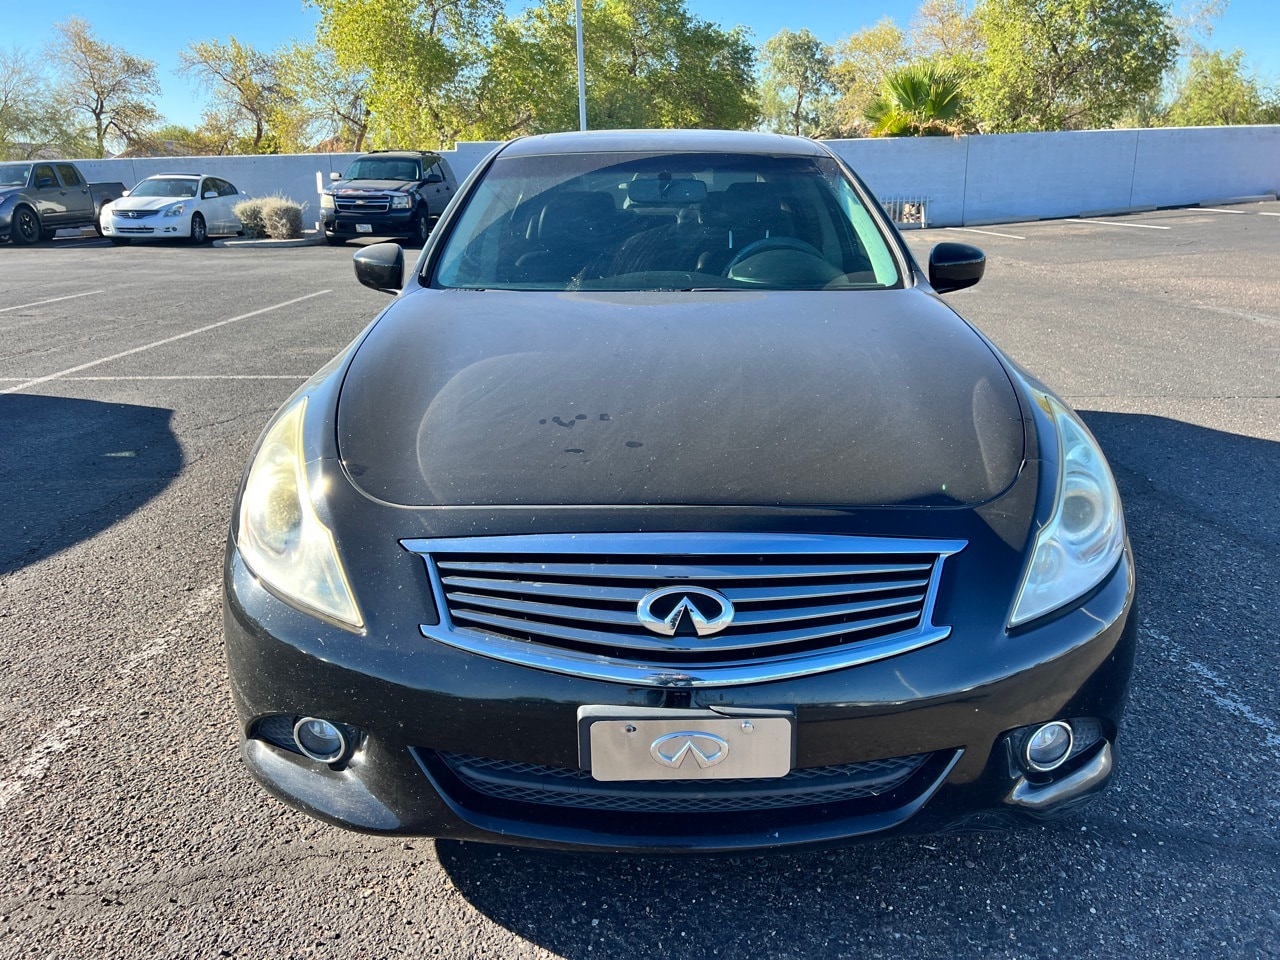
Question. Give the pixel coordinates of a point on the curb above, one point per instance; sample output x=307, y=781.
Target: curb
x=1116, y=211
x=1255, y=198
x=308, y=239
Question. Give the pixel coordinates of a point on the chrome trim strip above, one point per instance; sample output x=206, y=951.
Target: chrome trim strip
x=687, y=544
x=765, y=669
x=641, y=571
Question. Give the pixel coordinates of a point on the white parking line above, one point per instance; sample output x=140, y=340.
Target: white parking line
x=1117, y=223
x=1268, y=213
x=192, y=376
x=990, y=233
x=1219, y=210
x=23, y=306
x=159, y=343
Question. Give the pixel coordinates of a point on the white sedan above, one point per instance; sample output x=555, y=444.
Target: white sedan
x=187, y=205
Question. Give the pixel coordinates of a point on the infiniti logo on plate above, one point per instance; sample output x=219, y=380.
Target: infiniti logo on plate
x=662, y=610
x=674, y=749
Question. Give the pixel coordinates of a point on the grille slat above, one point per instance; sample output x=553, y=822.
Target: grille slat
x=715, y=644
x=572, y=603
x=563, y=787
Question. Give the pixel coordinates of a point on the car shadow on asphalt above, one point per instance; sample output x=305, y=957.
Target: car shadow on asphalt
x=71, y=468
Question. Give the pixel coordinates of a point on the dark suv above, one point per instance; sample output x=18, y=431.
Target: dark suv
x=387, y=193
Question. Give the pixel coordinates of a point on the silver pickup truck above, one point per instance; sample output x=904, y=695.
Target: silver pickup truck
x=39, y=198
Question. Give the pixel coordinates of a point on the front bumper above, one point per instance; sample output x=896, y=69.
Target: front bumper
x=145, y=228
x=427, y=710
x=390, y=223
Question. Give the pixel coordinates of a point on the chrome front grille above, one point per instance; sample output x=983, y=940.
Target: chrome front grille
x=370, y=203
x=572, y=603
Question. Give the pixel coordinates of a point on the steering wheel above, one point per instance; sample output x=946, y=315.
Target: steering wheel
x=772, y=243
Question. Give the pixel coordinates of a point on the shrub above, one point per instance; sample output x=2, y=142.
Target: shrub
x=276, y=217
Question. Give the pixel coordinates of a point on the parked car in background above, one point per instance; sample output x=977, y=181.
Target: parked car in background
x=39, y=198
x=392, y=193
x=173, y=205
x=670, y=507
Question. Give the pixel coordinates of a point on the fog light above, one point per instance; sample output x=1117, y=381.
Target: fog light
x=1048, y=746
x=319, y=739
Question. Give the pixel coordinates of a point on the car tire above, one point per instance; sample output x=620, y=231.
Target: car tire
x=120, y=241
x=26, y=227
x=421, y=230
x=334, y=239
x=199, y=232
x=47, y=234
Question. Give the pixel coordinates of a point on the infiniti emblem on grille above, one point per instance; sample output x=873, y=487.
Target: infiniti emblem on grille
x=662, y=610
x=675, y=748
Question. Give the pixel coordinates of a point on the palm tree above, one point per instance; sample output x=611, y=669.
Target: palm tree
x=919, y=100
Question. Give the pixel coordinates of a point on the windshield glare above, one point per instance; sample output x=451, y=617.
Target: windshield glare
x=383, y=168
x=14, y=174
x=165, y=187
x=665, y=222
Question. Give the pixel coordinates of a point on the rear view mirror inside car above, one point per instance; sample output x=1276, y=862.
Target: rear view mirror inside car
x=663, y=191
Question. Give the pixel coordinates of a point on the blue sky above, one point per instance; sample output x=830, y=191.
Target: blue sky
x=158, y=29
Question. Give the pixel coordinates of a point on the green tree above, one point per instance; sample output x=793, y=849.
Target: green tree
x=1069, y=64
x=861, y=62
x=33, y=117
x=922, y=99
x=252, y=104
x=946, y=31
x=112, y=86
x=423, y=60
x=649, y=63
x=796, y=88
x=332, y=99
x=1215, y=90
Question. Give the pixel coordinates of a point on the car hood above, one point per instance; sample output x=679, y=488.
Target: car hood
x=372, y=186
x=877, y=398
x=148, y=203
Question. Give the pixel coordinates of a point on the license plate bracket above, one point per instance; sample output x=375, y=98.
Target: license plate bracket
x=658, y=743
x=364, y=228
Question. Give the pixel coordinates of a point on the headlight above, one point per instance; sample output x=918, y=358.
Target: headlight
x=1084, y=537
x=175, y=210
x=281, y=538
x=326, y=201
x=401, y=201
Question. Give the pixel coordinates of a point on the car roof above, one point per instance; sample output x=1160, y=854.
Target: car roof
x=664, y=141
x=156, y=176
x=399, y=154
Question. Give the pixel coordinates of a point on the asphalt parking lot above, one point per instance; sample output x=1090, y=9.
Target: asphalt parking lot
x=133, y=382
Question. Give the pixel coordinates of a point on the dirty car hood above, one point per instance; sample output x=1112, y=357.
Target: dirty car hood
x=875, y=398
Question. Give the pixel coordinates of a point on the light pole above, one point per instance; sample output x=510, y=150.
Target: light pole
x=582, y=77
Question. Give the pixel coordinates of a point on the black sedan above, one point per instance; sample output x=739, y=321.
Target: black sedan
x=669, y=508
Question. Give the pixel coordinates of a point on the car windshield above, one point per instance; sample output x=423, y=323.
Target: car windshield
x=14, y=174
x=686, y=221
x=383, y=168
x=176, y=187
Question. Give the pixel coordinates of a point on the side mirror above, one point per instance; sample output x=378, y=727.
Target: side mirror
x=380, y=266
x=44, y=183
x=125, y=193
x=211, y=194
x=334, y=176
x=434, y=177
x=954, y=266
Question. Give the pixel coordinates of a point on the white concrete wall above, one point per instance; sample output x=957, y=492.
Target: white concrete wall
x=968, y=180
x=1004, y=178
